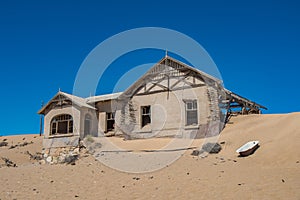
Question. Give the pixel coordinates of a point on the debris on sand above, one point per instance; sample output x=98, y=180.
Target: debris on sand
x=25, y=144
x=9, y=163
x=212, y=147
x=20, y=145
x=3, y=144
x=197, y=152
x=70, y=159
x=36, y=156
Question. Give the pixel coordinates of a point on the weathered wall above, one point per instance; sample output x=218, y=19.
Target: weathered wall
x=71, y=110
x=167, y=113
x=60, y=140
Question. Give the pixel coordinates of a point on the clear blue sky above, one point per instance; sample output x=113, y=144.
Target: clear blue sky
x=255, y=45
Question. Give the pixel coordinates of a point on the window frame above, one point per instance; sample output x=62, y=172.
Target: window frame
x=145, y=114
x=61, y=118
x=110, y=117
x=191, y=105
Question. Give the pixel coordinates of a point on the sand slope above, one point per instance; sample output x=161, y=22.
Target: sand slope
x=272, y=172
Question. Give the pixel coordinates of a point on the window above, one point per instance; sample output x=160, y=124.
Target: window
x=61, y=124
x=191, y=112
x=110, y=121
x=146, y=115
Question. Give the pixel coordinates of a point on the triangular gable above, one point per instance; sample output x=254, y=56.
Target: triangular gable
x=167, y=75
x=62, y=98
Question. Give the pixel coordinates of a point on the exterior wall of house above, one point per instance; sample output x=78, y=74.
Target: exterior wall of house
x=66, y=139
x=168, y=114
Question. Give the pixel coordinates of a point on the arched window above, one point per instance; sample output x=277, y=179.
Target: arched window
x=61, y=124
x=87, y=124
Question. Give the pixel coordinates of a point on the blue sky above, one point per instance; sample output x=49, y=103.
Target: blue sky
x=43, y=43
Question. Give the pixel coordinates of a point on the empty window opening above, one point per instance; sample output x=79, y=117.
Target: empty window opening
x=146, y=115
x=110, y=121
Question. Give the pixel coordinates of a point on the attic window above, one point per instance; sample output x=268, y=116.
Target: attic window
x=146, y=115
x=191, y=111
x=61, y=124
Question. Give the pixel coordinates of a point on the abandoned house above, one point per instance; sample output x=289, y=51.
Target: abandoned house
x=170, y=99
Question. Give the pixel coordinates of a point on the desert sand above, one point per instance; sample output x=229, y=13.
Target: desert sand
x=272, y=172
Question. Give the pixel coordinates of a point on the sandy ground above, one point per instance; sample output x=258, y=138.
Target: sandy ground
x=272, y=172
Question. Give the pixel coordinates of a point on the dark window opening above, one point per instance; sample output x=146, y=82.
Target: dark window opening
x=61, y=124
x=110, y=121
x=146, y=115
x=191, y=112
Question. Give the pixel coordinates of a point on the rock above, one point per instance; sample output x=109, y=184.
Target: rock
x=195, y=153
x=55, y=160
x=76, y=150
x=70, y=159
x=49, y=159
x=46, y=151
x=42, y=162
x=212, y=147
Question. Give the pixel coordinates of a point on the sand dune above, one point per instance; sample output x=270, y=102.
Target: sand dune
x=272, y=172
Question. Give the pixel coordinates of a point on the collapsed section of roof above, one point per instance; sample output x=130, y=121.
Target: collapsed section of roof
x=236, y=101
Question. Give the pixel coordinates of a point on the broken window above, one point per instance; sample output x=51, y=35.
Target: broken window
x=110, y=121
x=146, y=115
x=191, y=112
x=61, y=124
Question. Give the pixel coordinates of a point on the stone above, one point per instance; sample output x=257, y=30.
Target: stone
x=42, y=162
x=195, y=153
x=76, y=150
x=49, y=159
x=212, y=147
x=55, y=160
